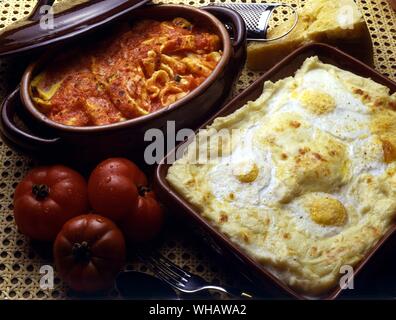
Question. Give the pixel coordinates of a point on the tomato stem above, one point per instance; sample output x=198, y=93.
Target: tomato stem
x=142, y=190
x=81, y=252
x=40, y=191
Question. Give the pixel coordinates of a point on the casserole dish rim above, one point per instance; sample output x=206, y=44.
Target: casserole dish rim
x=171, y=195
x=33, y=68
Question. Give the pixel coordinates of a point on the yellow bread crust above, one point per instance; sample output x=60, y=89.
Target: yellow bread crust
x=319, y=21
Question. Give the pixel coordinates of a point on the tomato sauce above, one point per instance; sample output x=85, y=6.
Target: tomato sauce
x=139, y=70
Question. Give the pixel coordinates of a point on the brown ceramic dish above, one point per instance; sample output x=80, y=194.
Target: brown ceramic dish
x=217, y=240
x=70, y=20
x=128, y=136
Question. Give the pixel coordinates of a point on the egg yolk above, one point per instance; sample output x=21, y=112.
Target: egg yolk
x=317, y=102
x=327, y=212
x=246, y=172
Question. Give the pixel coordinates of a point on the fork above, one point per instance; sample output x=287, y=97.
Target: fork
x=183, y=281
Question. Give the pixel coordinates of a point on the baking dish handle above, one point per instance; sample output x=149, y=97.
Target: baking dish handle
x=9, y=109
x=229, y=16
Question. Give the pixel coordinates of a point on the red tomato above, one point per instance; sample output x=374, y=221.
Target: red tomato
x=118, y=190
x=113, y=187
x=46, y=198
x=145, y=222
x=89, y=251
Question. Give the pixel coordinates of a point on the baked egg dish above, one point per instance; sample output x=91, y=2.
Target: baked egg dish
x=302, y=179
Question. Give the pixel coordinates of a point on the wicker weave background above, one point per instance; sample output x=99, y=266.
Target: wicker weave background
x=20, y=261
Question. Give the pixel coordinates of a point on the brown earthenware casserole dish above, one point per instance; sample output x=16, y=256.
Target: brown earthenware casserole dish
x=93, y=142
x=256, y=271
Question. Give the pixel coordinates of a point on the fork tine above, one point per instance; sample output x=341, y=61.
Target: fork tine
x=165, y=273
x=165, y=269
x=163, y=277
x=176, y=269
x=169, y=270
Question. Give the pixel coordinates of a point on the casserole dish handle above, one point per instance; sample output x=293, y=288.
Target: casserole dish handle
x=36, y=15
x=229, y=16
x=8, y=127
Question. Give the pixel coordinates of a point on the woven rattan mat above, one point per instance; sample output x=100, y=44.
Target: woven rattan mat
x=20, y=261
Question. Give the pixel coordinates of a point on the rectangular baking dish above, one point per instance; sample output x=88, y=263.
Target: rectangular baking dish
x=219, y=242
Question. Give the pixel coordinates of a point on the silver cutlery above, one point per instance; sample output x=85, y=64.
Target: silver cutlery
x=184, y=281
x=142, y=286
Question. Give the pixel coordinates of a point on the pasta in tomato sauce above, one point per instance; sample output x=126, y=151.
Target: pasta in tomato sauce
x=138, y=71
